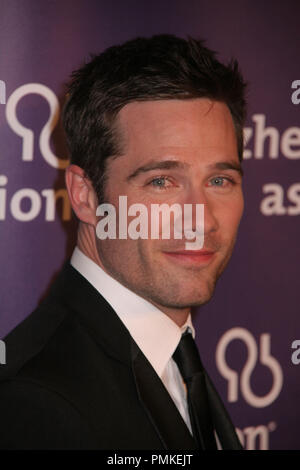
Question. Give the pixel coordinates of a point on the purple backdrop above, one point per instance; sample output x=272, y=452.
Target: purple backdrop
x=245, y=333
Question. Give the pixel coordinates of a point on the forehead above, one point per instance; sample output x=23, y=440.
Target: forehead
x=180, y=124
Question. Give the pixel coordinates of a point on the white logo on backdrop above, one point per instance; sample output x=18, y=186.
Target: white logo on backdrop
x=268, y=142
x=256, y=437
x=295, y=356
x=27, y=134
x=2, y=92
x=296, y=94
x=265, y=358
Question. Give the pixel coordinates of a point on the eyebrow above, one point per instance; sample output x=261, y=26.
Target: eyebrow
x=158, y=165
x=227, y=166
x=175, y=164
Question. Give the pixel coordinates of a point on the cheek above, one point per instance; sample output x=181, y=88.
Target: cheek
x=230, y=217
x=240, y=207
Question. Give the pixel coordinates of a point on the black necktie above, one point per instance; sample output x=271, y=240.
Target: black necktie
x=189, y=363
x=205, y=406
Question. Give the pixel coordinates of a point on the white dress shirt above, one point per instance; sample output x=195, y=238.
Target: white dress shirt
x=153, y=331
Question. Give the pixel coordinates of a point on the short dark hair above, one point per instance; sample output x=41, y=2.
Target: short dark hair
x=144, y=69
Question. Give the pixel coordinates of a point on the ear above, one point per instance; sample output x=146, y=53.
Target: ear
x=81, y=194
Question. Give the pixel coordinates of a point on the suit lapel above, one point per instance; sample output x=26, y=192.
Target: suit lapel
x=223, y=424
x=159, y=406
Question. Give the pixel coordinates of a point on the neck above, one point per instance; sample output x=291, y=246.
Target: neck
x=86, y=242
x=177, y=315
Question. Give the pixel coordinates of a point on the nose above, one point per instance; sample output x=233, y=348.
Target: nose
x=199, y=196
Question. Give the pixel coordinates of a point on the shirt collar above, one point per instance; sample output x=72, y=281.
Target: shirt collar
x=154, y=332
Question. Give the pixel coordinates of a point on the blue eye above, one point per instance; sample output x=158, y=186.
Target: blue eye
x=218, y=181
x=221, y=181
x=159, y=182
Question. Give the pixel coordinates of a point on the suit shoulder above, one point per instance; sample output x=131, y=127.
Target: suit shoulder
x=28, y=339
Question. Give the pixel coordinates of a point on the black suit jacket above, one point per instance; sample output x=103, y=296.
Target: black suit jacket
x=75, y=379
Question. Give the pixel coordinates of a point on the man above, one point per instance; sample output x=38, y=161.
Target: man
x=97, y=365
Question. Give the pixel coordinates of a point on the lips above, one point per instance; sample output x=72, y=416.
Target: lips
x=190, y=256
x=190, y=252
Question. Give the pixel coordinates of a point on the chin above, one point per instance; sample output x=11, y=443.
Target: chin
x=186, y=303
x=197, y=302
x=188, y=298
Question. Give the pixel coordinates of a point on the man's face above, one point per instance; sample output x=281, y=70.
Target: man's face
x=175, y=151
